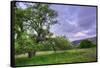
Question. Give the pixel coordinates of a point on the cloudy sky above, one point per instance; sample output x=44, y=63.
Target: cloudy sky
x=75, y=22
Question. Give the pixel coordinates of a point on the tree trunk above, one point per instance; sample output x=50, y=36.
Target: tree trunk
x=54, y=48
x=31, y=54
x=34, y=52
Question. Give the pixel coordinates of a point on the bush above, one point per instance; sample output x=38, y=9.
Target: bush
x=86, y=44
x=24, y=44
x=61, y=43
x=44, y=46
x=57, y=43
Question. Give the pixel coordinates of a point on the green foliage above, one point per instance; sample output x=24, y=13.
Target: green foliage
x=86, y=44
x=57, y=43
x=39, y=16
x=24, y=44
x=62, y=43
x=47, y=45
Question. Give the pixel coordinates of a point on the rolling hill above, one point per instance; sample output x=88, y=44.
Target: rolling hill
x=93, y=39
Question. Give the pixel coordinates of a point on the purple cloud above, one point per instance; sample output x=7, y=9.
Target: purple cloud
x=76, y=22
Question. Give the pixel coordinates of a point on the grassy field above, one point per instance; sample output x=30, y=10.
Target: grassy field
x=49, y=57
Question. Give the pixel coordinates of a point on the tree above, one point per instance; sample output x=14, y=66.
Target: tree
x=41, y=18
x=86, y=44
x=62, y=43
x=57, y=43
x=34, y=20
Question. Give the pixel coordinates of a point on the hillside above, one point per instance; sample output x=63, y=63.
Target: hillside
x=93, y=39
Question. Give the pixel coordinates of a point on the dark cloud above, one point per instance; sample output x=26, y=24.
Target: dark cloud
x=86, y=11
x=87, y=17
x=87, y=23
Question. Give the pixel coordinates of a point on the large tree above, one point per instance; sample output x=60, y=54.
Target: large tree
x=35, y=20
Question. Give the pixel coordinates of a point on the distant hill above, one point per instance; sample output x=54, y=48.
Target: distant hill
x=93, y=39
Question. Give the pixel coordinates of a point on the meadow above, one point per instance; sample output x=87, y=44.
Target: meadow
x=66, y=56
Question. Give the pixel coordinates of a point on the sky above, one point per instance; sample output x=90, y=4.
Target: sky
x=74, y=22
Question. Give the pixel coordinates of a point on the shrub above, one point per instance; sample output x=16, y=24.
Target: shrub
x=44, y=46
x=24, y=44
x=61, y=43
x=86, y=44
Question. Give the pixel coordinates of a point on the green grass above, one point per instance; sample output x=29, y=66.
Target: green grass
x=67, y=56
